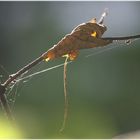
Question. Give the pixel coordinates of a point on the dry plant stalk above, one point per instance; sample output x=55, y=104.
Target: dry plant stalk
x=84, y=36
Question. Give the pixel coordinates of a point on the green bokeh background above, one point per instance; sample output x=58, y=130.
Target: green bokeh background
x=103, y=90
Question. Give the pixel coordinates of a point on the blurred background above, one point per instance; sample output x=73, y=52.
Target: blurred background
x=103, y=90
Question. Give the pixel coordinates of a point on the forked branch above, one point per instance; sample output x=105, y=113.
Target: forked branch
x=69, y=45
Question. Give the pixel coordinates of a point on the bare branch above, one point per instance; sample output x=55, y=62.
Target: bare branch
x=3, y=98
x=21, y=71
x=122, y=38
x=80, y=38
x=4, y=103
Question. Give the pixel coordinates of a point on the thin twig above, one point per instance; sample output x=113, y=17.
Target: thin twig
x=3, y=98
x=4, y=103
x=13, y=77
x=21, y=71
x=122, y=38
